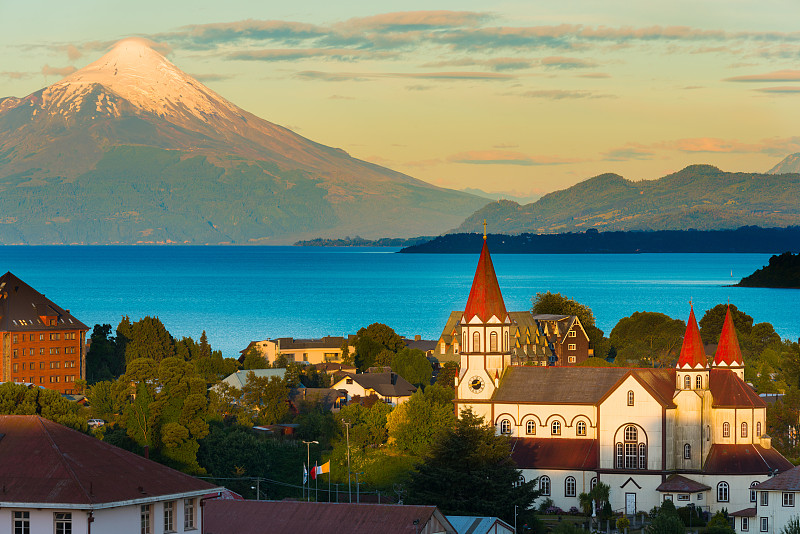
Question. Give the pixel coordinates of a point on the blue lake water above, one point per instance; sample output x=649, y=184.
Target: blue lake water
x=239, y=294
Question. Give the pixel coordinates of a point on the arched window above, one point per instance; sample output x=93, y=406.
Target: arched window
x=630, y=454
x=758, y=429
x=505, y=342
x=544, y=484
x=505, y=426
x=642, y=456
x=752, y=491
x=744, y=430
x=687, y=382
x=569, y=487
x=581, y=428
x=493, y=342
x=722, y=492
x=631, y=433
x=726, y=430
x=593, y=483
x=698, y=382
x=555, y=428
x=530, y=427
x=630, y=398
x=476, y=342
x=520, y=481
x=620, y=456
x=687, y=452
x=464, y=339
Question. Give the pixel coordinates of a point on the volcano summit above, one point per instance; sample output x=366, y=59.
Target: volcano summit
x=131, y=149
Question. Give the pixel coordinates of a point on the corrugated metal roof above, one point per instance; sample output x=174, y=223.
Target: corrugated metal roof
x=239, y=378
x=291, y=517
x=44, y=462
x=731, y=391
x=556, y=385
x=787, y=481
x=745, y=460
x=21, y=307
x=555, y=453
x=469, y=524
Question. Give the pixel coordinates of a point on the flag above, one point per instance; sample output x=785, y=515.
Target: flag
x=314, y=471
x=305, y=474
x=324, y=468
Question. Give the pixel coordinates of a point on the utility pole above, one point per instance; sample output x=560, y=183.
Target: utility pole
x=349, y=484
x=308, y=460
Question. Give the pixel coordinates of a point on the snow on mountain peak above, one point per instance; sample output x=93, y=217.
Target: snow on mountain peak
x=133, y=70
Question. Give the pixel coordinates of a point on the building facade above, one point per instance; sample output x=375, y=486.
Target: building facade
x=40, y=343
x=313, y=351
x=633, y=429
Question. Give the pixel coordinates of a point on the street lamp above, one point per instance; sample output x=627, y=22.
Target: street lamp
x=349, y=485
x=358, y=491
x=308, y=463
x=515, y=519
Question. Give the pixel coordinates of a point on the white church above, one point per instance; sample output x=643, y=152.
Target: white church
x=693, y=434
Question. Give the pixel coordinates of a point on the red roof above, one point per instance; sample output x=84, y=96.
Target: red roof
x=744, y=460
x=485, y=299
x=681, y=484
x=730, y=391
x=44, y=462
x=786, y=481
x=692, y=352
x=289, y=517
x=728, y=351
x=555, y=453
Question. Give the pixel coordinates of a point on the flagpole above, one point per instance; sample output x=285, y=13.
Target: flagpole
x=329, y=486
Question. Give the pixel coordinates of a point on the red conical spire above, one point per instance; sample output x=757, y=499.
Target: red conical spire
x=485, y=299
x=692, y=352
x=728, y=351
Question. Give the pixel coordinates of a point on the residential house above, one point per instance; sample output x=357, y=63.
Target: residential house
x=313, y=351
x=328, y=399
x=774, y=503
x=239, y=378
x=572, y=427
x=40, y=342
x=390, y=387
x=56, y=479
x=465, y=524
x=289, y=517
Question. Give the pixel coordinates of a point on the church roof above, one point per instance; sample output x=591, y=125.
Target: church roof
x=693, y=355
x=555, y=453
x=681, y=484
x=24, y=309
x=485, y=299
x=730, y=391
x=744, y=460
x=728, y=351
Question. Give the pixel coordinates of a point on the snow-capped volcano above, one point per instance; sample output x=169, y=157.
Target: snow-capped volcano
x=133, y=128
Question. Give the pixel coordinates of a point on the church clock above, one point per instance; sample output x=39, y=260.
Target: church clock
x=476, y=384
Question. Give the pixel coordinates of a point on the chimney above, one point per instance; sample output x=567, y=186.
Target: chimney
x=416, y=338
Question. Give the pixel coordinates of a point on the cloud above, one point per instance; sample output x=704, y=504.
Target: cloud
x=562, y=94
x=415, y=20
x=212, y=77
x=446, y=76
x=47, y=70
x=496, y=64
x=560, y=62
x=505, y=157
x=210, y=35
x=772, y=77
x=340, y=97
x=776, y=146
x=423, y=163
x=597, y=75
x=292, y=54
x=11, y=75
x=418, y=87
x=73, y=52
x=710, y=144
x=626, y=153
x=786, y=90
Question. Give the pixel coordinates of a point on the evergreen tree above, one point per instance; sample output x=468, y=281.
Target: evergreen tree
x=413, y=365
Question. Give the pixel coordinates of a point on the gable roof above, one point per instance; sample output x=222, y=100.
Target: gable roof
x=789, y=480
x=385, y=384
x=485, y=299
x=693, y=355
x=555, y=453
x=744, y=460
x=325, y=397
x=728, y=351
x=21, y=309
x=239, y=378
x=681, y=484
x=728, y=390
x=471, y=524
x=289, y=517
x=46, y=463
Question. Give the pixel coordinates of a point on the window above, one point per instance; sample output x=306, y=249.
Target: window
x=145, y=519
x=505, y=426
x=569, y=487
x=726, y=430
x=530, y=427
x=758, y=429
x=63, y=522
x=581, y=428
x=631, y=454
x=41, y=337
x=555, y=428
x=620, y=456
x=571, y=359
x=455, y=347
x=464, y=339
x=630, y=398
x=572, y=333
x=188, y=514
x=687, y=382
x=683, y=497
x=41, y=350
x=745, y=524
x=493, y=342
x=722, y=492
x=505, y=343
x=744, y=430
x=572, y=346
x=519, y=482
x=544, y=484
x=14, y=353
x=476, y=342
x=667, y=496
x=788, y=499
x=169, y=516
x=15, y=338
x=348, y=381
x=698, y=382
x=687, y=452
x=16, y=367
x=593, y=483
x=753, y=492
x=764, y=524
x=642, y=456
x=764, y=498
x=22, y=523
x=41, y=365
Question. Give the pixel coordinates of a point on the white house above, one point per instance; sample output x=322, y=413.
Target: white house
x=633, y=429
x=774, y=504
x=389, y=387
x=55, y=479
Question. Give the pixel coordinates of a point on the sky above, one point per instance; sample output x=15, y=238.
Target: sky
x=521, y=97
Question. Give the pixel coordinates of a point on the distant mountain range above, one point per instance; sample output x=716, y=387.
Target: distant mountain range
x=131, y=149
x=789, y=164
x=698, y=197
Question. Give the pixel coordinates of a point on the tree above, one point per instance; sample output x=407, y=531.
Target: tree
x=666, y=521
x=647, y=337
x=447, y=375
x=557, y=304
x=103, y=362
x=254, y=360
x=413, y=365
x=147, y=338
x=782, y=423
x=712, y=321
x=470, y=472
x=265, y=398
x=370, y=341
x=719, y=524
x=18, y=399
x=417, y=424
x=792, y=526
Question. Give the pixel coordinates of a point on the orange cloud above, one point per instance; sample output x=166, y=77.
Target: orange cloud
x=47, y=70
x=506, y=157
x=777, y=76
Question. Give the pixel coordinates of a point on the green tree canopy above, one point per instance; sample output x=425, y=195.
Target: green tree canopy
x=265, y=398
x=413, y=365
x=557, y=304
x=254, y=360
x=712, y=321
x=19, y=399
x=370, y=341
x=648, y=338
x=417, y=424
x=146, y=338
x=447, y=375
x=103, y=361
x=470, y=472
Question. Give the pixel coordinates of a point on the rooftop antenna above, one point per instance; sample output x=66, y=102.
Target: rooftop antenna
x=484, y=229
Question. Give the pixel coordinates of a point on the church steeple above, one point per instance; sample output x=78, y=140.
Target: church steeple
x=728, y=352
x=693, y=355
x=485, y=299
